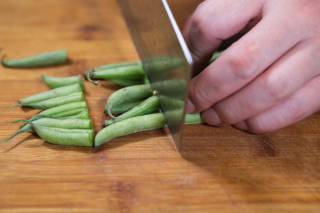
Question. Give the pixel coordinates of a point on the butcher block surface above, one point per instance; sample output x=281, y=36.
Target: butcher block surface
x=219, y=169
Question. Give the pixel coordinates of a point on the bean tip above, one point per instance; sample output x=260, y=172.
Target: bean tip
x=14, y=106
x=96, y=83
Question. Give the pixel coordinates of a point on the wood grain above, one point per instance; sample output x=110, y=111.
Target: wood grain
x=218, y=169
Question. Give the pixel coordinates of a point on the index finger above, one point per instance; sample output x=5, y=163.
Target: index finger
x=215, y=21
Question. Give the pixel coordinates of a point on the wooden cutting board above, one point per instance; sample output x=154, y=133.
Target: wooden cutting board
x=218, y=170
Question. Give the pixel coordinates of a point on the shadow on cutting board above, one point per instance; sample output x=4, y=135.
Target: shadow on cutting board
x=254, y=163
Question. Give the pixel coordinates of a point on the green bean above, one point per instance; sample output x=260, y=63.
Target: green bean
x=215, y=56
x=138, y=124
x=122, y=108
x=65, y=107
x=54, y=102
x=127, y=83
x=146, y=80
x=47, y=58
x=127, y=73
x=128, y=94
x=62, y=123
x=61, y=136
x=143, y=108
x=74, y=112
x=193, y=119
x=111, y=66
x=54, y=82
x=71, y=108
x=84, y=114
x=147, y=112
x=124, y=76
x=61, y=91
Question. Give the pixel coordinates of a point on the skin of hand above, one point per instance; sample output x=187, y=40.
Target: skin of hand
x=266, y=80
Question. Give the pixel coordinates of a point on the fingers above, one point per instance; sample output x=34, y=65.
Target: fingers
x=214, y=21
x=244, y=61
x=282, y=79
x=186, y=28
x=301, y=104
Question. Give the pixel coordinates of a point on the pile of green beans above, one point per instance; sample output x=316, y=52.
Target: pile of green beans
x=65, y=118
x=55, y=97
x=140, y=111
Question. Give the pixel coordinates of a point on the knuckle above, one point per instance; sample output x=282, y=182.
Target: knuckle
x=198, y=20
x=226, y=114
x=242, y=61
x=276, y=91
x=202, y=21
x=200, y=96
x=296, y=108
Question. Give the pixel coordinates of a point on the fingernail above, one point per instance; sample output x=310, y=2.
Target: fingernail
x=241, y=125
x=190, y=107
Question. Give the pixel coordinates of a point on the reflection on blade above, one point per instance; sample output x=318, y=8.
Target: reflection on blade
x=159, y=44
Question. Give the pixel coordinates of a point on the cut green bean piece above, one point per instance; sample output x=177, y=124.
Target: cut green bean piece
x=57, y=92
x=72, y=108
x=143, y=108
x=128, y=126
x=66, y=137
x=128, y=83
x=63, y=123
x=43, y=59
x=127, y=73
x=54, y=102
x=65, y=107
x=73, y=112
x=54, y=82
x=137, y=124
x=122, y=108
x=83, y=114
x=193, y=119
x=147, y=112
x=128, y=94
x=61, y=136
x=111, y=66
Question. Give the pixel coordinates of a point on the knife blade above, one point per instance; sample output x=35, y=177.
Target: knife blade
x=164, y=55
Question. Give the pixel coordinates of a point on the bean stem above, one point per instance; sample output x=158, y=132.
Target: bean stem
x=96, y=83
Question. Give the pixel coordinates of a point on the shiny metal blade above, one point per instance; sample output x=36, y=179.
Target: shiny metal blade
x=164, y=55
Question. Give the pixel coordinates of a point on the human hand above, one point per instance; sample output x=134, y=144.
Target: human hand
x=266, y=80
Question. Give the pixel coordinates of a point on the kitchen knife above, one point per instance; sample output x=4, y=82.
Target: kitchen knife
x=164, y=55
